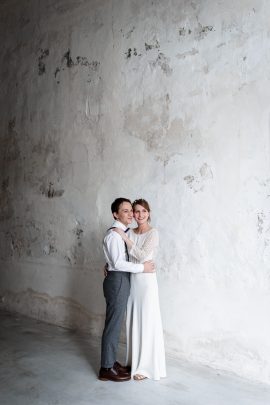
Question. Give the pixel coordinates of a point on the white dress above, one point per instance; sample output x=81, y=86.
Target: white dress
x=145, y=345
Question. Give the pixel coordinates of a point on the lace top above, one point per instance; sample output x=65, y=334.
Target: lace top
x=145, y=245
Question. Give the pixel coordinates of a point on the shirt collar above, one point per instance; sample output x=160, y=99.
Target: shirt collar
x=118, y=224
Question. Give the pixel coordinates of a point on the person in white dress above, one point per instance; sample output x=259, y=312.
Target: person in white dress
x=145, y=344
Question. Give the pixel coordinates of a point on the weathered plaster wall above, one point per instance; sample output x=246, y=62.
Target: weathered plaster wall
x=168, y=100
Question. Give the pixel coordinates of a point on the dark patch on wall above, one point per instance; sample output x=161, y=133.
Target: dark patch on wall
x=163, y=62
x=57, y=70
x=49, y=250
x=155, y=45
x=130, y=52
x=11, y=125
x=184, y=31
x=197, y=183
x=128, y=34
x=20, y=239
x=6, y=210
x=50, y=192
x=9, y=146
x=202, y=31
x=68, y=62
x=41, y=65
x=67, y=57
x=189, y=179
x=78, y=232
x=5, y=184
x=207, y=28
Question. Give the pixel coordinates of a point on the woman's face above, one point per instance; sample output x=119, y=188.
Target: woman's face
x=140, y=214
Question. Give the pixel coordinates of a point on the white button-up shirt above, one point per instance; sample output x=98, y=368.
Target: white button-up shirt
x=115, y=252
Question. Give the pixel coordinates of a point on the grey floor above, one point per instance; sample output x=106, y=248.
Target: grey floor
x=45, y=364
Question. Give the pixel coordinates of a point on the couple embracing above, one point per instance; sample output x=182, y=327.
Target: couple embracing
x=130, y=287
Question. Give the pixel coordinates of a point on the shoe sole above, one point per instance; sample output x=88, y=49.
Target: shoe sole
x=108, y=379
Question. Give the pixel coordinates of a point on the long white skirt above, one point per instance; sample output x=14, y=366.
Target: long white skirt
x=145, y=344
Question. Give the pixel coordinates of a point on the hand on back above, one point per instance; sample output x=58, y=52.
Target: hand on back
x=149, y=267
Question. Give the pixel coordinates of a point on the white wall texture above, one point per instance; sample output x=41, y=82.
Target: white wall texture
x=166, y=100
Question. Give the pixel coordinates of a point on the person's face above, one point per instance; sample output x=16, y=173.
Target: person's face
x=141, y=215
x=124, y=214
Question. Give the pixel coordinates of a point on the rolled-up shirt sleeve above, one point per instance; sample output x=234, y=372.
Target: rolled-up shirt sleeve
x=113, y=249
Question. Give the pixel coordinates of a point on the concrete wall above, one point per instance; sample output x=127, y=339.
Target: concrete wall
x=166, y=100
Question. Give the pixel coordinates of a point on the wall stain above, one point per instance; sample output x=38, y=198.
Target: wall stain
x=163, y=62
x=188, y=53
x=78, y=232
x=203, y=31
x=49, y=250
x=130, y=52
x=200, y=32
x=22, y=239
x=18, y=244
x=150, y=122
x=260, y=221
x=154, y=45
x=67, y=57
x=10, y=143
x=69, y=63
x=184, y=31
x=59, y=310
x=41, y=64
x=6, y=210
x=75, y=254
x=197, y=183
x=50, y=192
x=189, y=180
x=128, y=34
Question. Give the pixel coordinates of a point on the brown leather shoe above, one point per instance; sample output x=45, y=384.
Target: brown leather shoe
x=111, y=374
x=126, y=370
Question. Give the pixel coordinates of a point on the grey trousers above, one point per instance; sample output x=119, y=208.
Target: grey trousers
x=116, y=288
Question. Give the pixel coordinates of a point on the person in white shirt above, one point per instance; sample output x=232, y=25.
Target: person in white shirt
x=116, y=288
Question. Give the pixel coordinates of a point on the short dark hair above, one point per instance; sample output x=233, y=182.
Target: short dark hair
x=116, y=204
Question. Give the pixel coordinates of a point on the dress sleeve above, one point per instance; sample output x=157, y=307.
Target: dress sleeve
x=149, y=245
